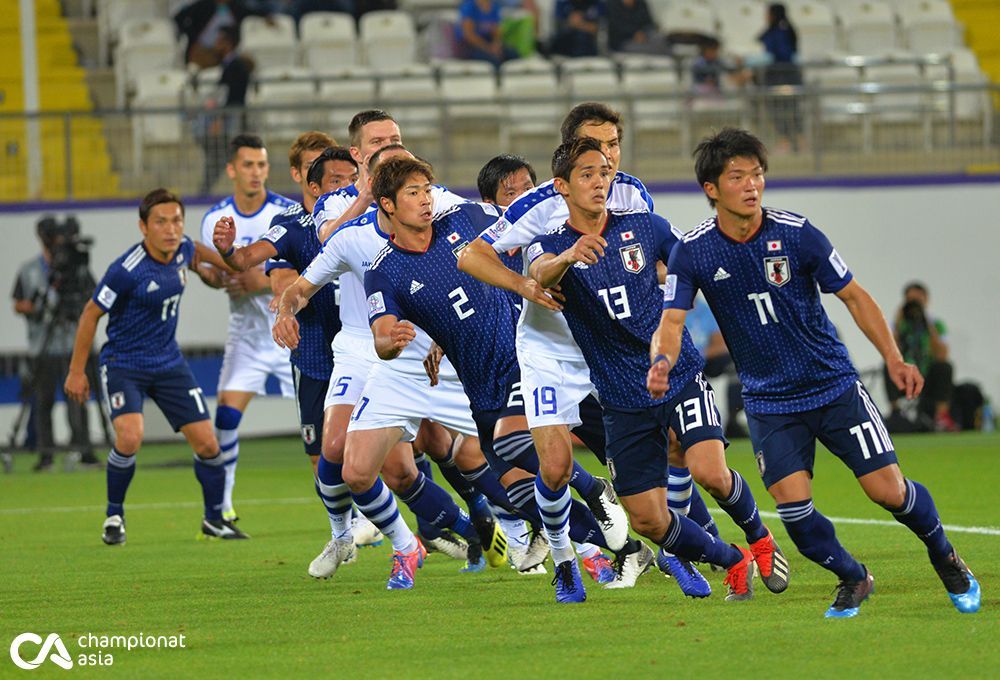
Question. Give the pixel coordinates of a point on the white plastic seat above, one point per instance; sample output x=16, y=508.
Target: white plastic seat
x=869, y=26
x=968, y=105
x=412, y=95
x=388, y=39
x=144, y=45
x=284, y=86
x=270, y=42
x=842, y=107
x=687, y=17
x=896, y=107
x=473, y=83
x=111, y=14
x=329, y=41
x=816, y=27
x=532, y=78
x=739, y=25
x=346, y=92
x=160, y=89
x=929, y=26
x=655, y=93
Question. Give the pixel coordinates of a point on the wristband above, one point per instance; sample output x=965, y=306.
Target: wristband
x=661, y=357
x=228, y=253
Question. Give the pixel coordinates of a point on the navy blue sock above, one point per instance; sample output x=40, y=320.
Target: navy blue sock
x=583, y=528
x=698, y=513
x=486, y=482
x=475, y=501
x=336, y=496
x=919, y=515
x=583, y=481
x=212, y=476
x=429, y=501
x=815, y=537
x=690, y=542
x=120, y=470
x=517, y=449
x=742, y=507
x=424, y=527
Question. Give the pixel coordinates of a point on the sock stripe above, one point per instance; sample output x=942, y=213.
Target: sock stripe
x=473, y=475
x=909, y=500
x=215, y=461
x=120, y=460
x=513, y=445
x=226, y=448
x=674, y=532
x=737, y=490
x=414, y=490
x=795, y=512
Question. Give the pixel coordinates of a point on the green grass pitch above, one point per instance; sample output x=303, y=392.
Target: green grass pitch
x=250, y=608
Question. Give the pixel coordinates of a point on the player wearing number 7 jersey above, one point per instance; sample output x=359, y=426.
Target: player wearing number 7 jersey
x=141, y=293
x=761, y=271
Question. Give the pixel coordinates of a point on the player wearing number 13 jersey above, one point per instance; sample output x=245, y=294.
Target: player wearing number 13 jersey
x=761, y=271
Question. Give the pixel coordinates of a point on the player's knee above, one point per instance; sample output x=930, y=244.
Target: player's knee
x=556, y=473
x=205, y=447
x=651, y=527
x=333, y=449
x=399, y=480
x=128, y=439
x=889, y=495
x=717, y=482
x=357, y=478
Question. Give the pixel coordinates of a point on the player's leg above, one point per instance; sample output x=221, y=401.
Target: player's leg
x=228, y=414
x=310, y=394
x=852, y=428
x=122, y=392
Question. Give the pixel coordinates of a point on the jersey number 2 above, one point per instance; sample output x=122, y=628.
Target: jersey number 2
x=460, y=300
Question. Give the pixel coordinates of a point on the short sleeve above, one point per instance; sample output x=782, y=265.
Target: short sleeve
x=680, y=287
x=188, y=250
x=329, y=264
x=115, y=284
x=541, y=245
x=381, y=301
x=207, y=229
x=665, y=236
x=282, y=238
x=823, y=260
x=331, y=206
x=276, y=263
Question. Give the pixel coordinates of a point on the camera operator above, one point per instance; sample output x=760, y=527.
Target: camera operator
x=922, y=341
x=47, y=293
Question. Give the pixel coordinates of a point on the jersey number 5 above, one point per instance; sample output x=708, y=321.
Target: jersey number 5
x=460, y=300
x=765, y=308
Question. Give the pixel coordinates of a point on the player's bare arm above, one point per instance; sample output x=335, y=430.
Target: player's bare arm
x=293, y=300
x=479, y=260
x=663, y=351
x=432, y=362
x=239, y=259
x=77, y=387
x=391, y=336
x=549, y=269
x=869, y=318
x=281, y=279
x=209, y=266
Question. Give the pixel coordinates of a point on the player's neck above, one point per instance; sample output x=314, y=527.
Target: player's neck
x=249, y=204
x=586, y=222
x=408, y=238
x=308, y=202
x=739, y=227
x=159, y=255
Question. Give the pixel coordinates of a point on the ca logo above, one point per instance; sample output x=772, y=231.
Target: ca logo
x=59, y=657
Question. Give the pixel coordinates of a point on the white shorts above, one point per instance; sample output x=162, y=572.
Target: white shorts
x=391, y=399
x=248, y=361
x=353, y=357
x=553, y=389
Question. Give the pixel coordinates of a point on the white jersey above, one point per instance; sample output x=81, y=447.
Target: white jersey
x=539, y=330
x=347, y=254
x=248, y=315
x=334, y=204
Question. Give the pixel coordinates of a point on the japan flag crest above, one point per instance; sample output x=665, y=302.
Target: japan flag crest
x=633, y=259
x=777, y=270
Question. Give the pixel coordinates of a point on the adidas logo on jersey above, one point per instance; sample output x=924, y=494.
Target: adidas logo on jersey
x=721, y=274
x=153, y=285
x=415, y=286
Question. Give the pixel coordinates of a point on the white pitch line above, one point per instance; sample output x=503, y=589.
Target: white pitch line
x=984, y=531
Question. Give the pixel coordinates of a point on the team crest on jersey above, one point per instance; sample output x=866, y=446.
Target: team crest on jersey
x=457, y=249
x=773, y=246
x=182, y=275
x=308, y=433
x=777, y=270
x=627, y=236
x=117, y=400
x=633, y=259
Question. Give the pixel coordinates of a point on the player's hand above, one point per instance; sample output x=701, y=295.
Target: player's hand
x=286, y=331
x=432, y=363
x=907, y=378
x=236, y=286
x=274, y=303
x=658, y=379
x=224, y=234
x=77, y=387
x=402, y=334
x=532, y=291
x=588, y=249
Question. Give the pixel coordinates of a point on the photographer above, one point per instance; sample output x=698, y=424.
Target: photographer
x=47, y=293
x=922, y=341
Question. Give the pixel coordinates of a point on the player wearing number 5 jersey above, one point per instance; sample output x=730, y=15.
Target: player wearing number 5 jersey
x=761, y=271
x=141, y=293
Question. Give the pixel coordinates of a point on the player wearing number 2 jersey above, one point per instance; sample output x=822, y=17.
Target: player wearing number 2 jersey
x=761, y=271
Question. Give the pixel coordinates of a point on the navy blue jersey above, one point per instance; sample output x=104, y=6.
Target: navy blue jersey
x=472, y=322
x=764, y=294
x=293, y=235
x=142, y=297
x=613, y=307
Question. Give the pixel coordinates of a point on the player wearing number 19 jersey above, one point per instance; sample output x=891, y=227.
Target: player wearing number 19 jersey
x=761, y=271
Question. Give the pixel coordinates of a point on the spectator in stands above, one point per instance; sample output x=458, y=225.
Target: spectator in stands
x=631, y=28
x=708, y=339
x=577, y=25
x=711, y=75
x=201, y=20
x=221, y=125
x=478, y=32
x=782, y=44
x=922, y=340
x=299, y=8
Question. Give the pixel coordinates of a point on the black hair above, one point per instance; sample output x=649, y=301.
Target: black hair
x=589, y=112
x=568, y=153
x=378, y=153
x=712, y=154
x=244, y=141
x=915, y=285
x=332, y=153
x=156, y=197
x=496, y=170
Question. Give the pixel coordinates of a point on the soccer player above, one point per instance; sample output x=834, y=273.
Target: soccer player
x=601, y=262
x=412, y=282
x=250, y=355
x=761, y=271
x=141, y=293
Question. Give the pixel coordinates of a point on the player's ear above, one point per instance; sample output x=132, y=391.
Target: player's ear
x=142, y=227
x=387, y=205
x=231, y=170
x=561, y=186
x=711, y=190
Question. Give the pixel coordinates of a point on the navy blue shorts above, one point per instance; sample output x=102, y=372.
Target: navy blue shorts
x=638, y=438
x=486, y=422
x=174, y=390
x=591, y=430
x=850, y=426
x=310, y=394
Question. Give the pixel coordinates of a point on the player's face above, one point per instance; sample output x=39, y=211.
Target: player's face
x=305, y=162
x=739, y=188
x=163, y=229
x=395, y=153
x=607, y=135
x=414, y=206
x=512, y=186
x=248, y=170
x=374, y=136
x=589, y=181
x=337, y=175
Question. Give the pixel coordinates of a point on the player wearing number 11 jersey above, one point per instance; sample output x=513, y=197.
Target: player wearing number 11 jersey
x=761, y=271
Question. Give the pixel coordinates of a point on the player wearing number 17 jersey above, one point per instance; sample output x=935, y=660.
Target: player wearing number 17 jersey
x=761, y=271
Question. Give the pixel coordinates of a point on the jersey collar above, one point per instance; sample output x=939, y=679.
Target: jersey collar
x=607, y=219
x=753, y=236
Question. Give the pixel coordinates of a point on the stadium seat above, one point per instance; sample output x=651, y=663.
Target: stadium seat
x=869, y=27
x=143, y=45
x=842, y=107
x=270, y=42
x=159, y=89
x=473, y=83
x=929, y=27
x=283, y=86
x=388, y=39
x=740, y=24
x=655, y=92
x=969, y=106
x=529, y=78
x=111, y=14
x=329, y=41
x=346, y=92
x=687, y=17
x=816, y=27
x=411, y=93
x=896, y=107
x=592, y=79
